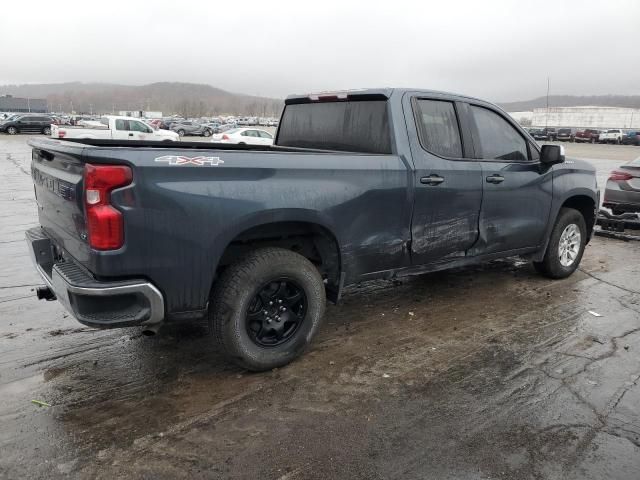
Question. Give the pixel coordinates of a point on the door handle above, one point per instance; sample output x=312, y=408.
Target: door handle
x=131, y=134
x=432, y=179
x=495, y=178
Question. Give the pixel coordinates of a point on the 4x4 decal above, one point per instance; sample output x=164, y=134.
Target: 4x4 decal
x=182, y=160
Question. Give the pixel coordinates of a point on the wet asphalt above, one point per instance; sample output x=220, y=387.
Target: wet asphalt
x=477, y=373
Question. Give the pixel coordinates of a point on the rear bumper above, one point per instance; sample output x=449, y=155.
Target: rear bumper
x=93, y=302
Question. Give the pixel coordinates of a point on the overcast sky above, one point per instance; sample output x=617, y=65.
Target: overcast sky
x=498, y=50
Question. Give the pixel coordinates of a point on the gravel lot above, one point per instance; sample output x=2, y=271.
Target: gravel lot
x=478, y=373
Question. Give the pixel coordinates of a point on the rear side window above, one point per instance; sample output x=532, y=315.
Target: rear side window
x=498, y=139
x=438, y=128
x=122, y=124
x=352, y=126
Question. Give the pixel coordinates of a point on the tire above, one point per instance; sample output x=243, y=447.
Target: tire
x=206, y=133
x=593, y=140
x=239, y=308
x=46, y=131
x=12, y=130
x=551, y=265
x=181, y=133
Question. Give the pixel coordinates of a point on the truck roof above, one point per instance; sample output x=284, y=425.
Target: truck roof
x=372, y=93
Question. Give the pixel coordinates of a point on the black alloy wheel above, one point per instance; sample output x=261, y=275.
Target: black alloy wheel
x=276, y=312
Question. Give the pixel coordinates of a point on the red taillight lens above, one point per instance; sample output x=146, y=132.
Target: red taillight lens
x=225, y=137
x=105, y=226
x=618, y=175
x=62, y=133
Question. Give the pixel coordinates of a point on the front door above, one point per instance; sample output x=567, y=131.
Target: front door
x=517, y=188
x=448, y=183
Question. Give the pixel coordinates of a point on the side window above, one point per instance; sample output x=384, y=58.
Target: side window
x=438, y=128
x=138, y=126
x=498, y=139
x=121, y=124
x=264, y=134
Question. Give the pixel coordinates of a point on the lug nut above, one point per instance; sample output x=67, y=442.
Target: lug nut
x=270, y=303
x=279, y=301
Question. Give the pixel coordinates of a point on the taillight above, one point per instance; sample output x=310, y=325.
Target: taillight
x=225, y=137
x=618, y=175
x=62, y=133
x=105, y=225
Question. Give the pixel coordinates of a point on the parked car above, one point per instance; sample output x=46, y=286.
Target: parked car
x=244, y=136
x=631, y=138
x=550, y=133
x=589, y=135
x=614, y=135
x=537, y=133
x=190, y=128
x=381, y=184
x=213, y=126
x=622, y=193
x=543, y=133
x=112, y=127
x=27, y=123
x=565, y=135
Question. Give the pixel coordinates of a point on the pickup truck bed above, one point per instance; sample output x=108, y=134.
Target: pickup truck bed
x=364, y=185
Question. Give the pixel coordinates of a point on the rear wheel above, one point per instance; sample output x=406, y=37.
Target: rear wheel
x=566, y=245
x=206, y=133
x=46, y=131
x=266, y=308
x=12, y=130
x=181, y=133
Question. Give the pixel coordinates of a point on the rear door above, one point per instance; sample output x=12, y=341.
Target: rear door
x=448, y=181
x=517, y=189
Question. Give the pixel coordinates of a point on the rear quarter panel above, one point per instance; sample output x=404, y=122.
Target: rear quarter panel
x=179, y=219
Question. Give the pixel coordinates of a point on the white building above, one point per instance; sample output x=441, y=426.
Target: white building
x=139, y=114
x=582, y=117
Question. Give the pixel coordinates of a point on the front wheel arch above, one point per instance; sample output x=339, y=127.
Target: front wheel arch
x=580, y=200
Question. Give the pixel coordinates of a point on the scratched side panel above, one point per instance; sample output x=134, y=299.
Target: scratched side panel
x=179, y=219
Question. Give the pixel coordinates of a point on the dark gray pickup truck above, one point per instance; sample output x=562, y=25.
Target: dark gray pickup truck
x=359, y=185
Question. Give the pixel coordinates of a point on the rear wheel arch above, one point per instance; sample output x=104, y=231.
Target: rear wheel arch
x=312, y=240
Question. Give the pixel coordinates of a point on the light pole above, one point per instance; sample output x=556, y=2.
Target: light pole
x=546, y=121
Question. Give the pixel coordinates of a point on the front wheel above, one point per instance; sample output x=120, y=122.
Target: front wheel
x=266, y=308
x=181, y=133
x=206, y=133
x=12, y=130
x=46, y=131
x=566, y=245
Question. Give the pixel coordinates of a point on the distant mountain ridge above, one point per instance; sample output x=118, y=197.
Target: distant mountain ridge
x=624, y=101
x=187, y=99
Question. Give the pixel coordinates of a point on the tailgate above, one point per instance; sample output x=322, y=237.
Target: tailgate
x=57, y=174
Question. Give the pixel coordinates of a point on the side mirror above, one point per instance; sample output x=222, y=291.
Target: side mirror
x=552, y=154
